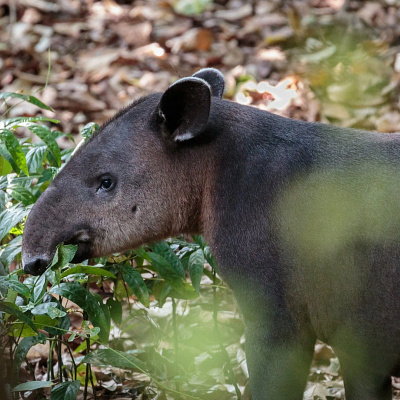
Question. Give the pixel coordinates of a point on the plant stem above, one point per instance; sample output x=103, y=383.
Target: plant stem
x=91, y=381
x=50, y=370
x=73, y=361
x=219, y=339
x=85, y=318
x=176, y=340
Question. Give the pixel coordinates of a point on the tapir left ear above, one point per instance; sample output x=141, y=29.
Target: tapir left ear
x=185, y=108
x=214, y=78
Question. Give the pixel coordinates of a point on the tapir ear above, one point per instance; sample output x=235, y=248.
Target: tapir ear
x=214, y=78
x=185, y=108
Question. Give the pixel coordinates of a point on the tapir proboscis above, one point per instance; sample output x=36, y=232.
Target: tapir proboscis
x=303, y=219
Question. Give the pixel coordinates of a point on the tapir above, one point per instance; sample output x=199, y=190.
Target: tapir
x=302, y=218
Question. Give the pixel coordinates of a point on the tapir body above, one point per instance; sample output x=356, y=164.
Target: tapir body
x=302, y=218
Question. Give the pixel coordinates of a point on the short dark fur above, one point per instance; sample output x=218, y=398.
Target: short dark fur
x=303, y=219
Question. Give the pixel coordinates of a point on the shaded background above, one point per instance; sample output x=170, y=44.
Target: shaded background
x=328, y=60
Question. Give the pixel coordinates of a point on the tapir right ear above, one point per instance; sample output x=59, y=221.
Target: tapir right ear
x=185, y=108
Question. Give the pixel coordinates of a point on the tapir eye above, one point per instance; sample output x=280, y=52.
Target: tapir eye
x=106, y=184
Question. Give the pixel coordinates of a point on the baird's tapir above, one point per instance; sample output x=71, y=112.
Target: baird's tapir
x=303, y=219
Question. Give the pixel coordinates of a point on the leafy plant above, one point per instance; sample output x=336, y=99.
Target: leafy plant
x=37, y=310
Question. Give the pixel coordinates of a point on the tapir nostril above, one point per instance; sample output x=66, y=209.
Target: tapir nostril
x=36, y=267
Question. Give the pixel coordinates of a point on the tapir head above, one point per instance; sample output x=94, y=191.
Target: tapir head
x=137, y=180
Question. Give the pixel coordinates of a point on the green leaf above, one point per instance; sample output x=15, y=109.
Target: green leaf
x=15, y=150
x=135, y=281
x=11, y=217
x=35, y=157
x=196, y=266
x=64, y=255
x=22, y=350
x=88, y=130
x=97, y=311
x=20, y=288
x=113, y=358
x=12, y=123
x=181, y=289
x=186, y=292
x=39, y=288
x=164, y=250
x=210, y=258
x=115, y=308
x=5, y=166
x=48, y=137
x=47, y=309
x=21, y=194
x=65, y=391
x=33, y=385
x=87, y=269
x=7, y=156
x=11, y=250
x=28, y=98
x=166, y=270
x=199, y=240
x=12, y=309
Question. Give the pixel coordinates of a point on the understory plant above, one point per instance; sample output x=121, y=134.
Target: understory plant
x=147, y=319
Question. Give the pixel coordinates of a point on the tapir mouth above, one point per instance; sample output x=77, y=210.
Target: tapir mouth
x=37, y=265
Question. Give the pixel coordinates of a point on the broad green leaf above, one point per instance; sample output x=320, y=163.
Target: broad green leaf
x=181, y=289
x=21, y=194
x=22, y=350
x=210, y=258
x=199, y=240
x=18, y=287
x=48, y=137
x=63, y=255
x=42, y=309
x=87, y=269
x=186, y=292
x=11, y=250
x=33, y=385
x=196, y=266
x=7, y=156
x=39, y=288
x=88, y=130
x=12, y=309
x=11, y=217
x=90, y=303
x=141, y=252
x=166, y=270
x=5, y=166
x=115, y=308
x=64, y=323
x=35, y=157
x=65, y=391
x=113, y=358
x=12, y=123
x=26, y=97
x=15, y=149
x=164, y=250
x=161, y=291
x=135, y=281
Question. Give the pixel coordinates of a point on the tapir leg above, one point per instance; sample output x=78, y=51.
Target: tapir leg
x=279, y=362
x=365, y=382
x=357, y=388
